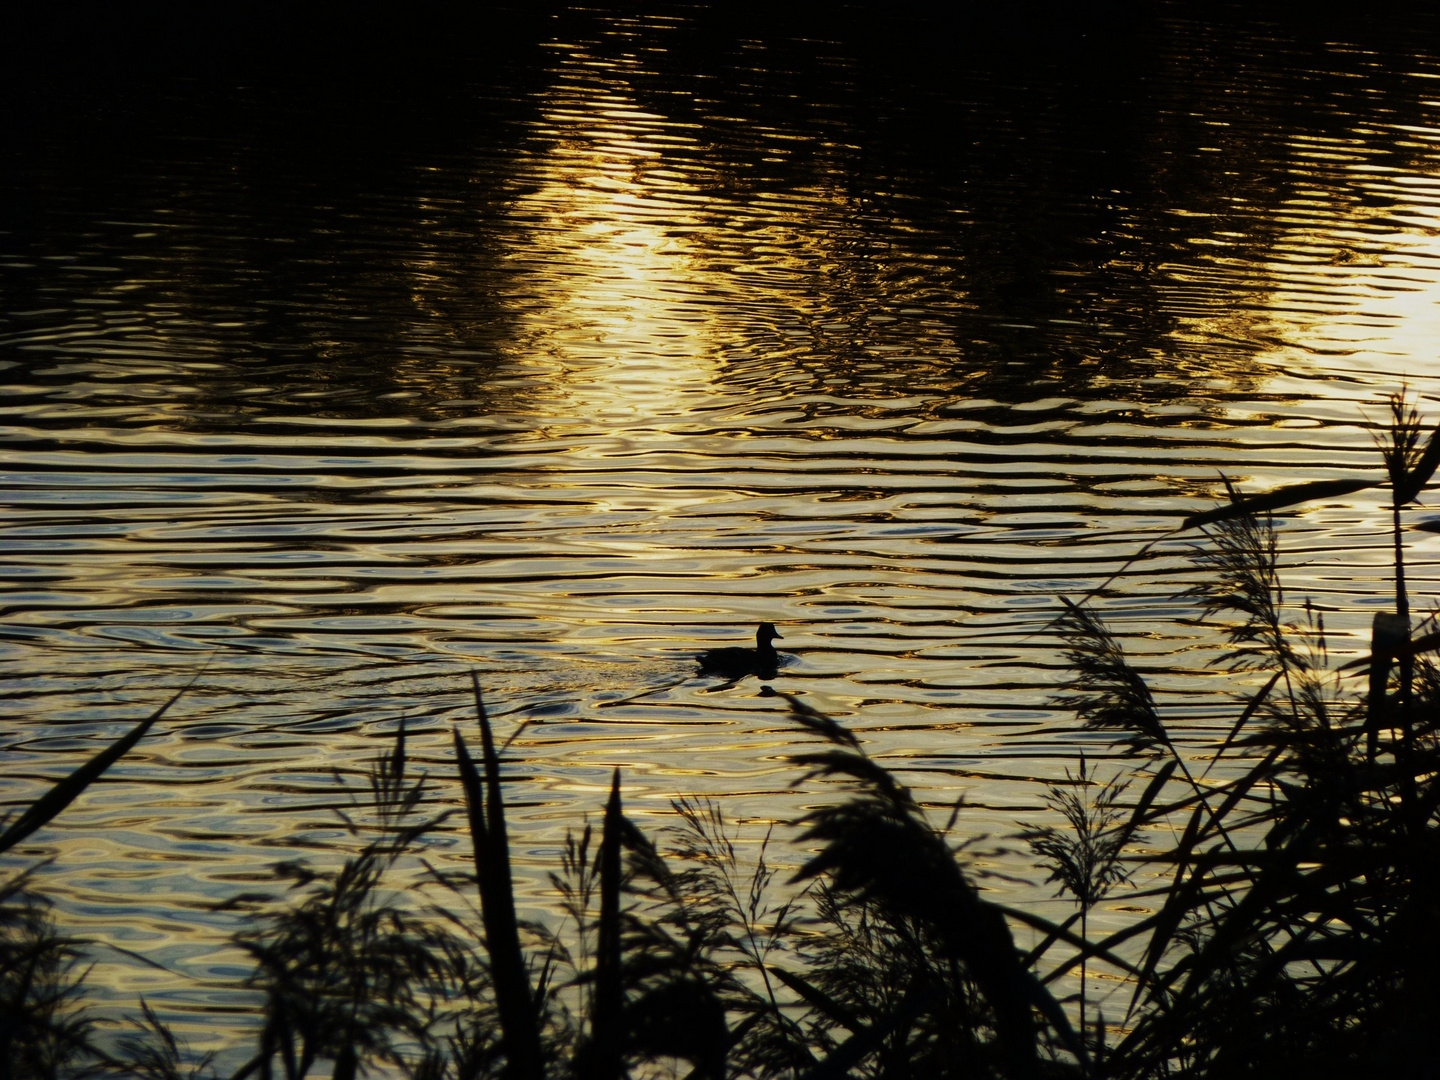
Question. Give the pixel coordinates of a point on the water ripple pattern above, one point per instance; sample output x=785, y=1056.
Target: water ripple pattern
x=677, y=331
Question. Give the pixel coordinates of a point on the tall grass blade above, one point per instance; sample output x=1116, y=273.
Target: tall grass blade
x=65, y=792
x=603, y=1061
x=1389, y=636
x=1043, y=946
x=1238, y=789
x=867, y=1040
x=1256, y=912
x=1244, y=718
x=397, y=758
x=513, y=996
x=1062, y=932
x=1148, y=796
x=818, y=1000
x=1178, y=903
x=1416, y=478
x=1290, y=495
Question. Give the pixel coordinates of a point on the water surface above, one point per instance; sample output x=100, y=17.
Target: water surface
x=561, y=352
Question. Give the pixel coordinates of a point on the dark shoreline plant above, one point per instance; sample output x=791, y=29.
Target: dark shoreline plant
x=1085, y=859
x=1296, y=921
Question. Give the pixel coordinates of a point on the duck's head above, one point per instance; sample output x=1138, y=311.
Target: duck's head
x=766, y=634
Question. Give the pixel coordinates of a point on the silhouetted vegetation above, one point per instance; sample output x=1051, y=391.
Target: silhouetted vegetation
x=1294, y=930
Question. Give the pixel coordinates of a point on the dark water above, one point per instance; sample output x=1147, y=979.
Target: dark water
x=562, y=344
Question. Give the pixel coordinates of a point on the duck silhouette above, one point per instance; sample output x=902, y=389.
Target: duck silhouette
x=735, y=663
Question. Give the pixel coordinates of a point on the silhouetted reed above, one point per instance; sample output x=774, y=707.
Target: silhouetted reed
x=348, y=972
x=44, y=1032
x=1295, y=925
x=150, y=1051
x=1085, y=859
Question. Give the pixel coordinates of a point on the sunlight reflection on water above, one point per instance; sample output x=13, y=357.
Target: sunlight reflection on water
x=648, y=360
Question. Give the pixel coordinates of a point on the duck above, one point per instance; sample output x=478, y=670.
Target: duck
x=736, y=663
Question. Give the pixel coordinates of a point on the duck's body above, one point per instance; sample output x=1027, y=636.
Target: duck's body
x=736, y=663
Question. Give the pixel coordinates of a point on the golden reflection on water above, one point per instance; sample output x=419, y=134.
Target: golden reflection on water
x=1349, y=278
x=1385, y=313
x=690, y=389
x=631, y=317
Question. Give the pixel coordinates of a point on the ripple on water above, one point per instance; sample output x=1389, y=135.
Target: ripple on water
x=640, y=360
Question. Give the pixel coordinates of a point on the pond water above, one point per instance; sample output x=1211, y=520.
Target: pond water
x=561, y=347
